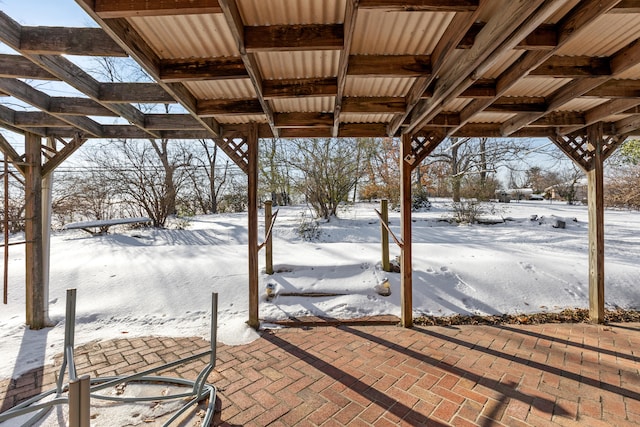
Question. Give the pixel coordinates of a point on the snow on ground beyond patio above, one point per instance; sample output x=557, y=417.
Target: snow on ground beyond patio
x=159, y=282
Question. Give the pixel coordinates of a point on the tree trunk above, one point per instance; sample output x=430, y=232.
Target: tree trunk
x=455, y=178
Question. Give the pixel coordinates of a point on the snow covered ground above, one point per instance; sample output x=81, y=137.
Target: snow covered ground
x=159, y=282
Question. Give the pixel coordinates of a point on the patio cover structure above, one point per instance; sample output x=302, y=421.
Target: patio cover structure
x=422, y=70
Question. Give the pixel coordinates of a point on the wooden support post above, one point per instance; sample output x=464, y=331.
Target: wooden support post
x=384, y=234
x=267, y=236
x=406, y=282
x=596, y=224
x=35, y=292
x=47, y=197
x=252, y=172
x=5, y=271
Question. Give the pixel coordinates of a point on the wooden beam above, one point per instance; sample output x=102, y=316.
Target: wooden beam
x=492, y=130
x=182, y=70
x=601, y=112
x=441, y=54
x=134, y=92
x=131, y=41
x=350, y=17
x=620, y=62
x=406, y=271
x=296, y=120
x=628, y=125
x=368, y=105
x=559, y=118
x=252, y=208
x=389, y=65
x=78, y=106
x=15, y=66
x=68, y=41
x=131, y=8
x=34, y=278
x=60, y=156
x=25, y=119
x=567, y=29
x=41, y=100
x=627, y=6
x=619, y=88
x=573, y=67
x=171, y=122
x=421, y=5
x=502, y=32
x=236, y=25
x=288, y=88
x=275, y=38
x=66, y=71
x=518, y=104
x=545, y=37
x=595, y=200
x=211, y=107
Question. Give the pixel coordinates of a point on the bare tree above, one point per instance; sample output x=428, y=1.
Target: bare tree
x=275, y=171
x=479, y=157
x=208, y=176
x=328, y=172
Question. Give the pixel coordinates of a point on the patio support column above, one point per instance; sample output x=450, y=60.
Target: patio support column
x=252, y=173
x=34, y=251
x=406, y=279
x=595, y=198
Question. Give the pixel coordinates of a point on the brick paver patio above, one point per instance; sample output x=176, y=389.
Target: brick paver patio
x=553, y=374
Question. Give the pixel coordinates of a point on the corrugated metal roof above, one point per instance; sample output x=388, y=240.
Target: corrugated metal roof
x=456, y=105
x=299, y=65
x=289, y=12
x=384, y=33
x=365, y=118
x=502, y=64
x=489, y=117
x=222, y=89
x=536, y=86
x=605, y=36
x=378, y=86
x=240, y=120
x=320, y=104
x=187, y=36
x=581, y=104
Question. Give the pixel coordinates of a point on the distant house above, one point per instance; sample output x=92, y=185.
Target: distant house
x=571, y=191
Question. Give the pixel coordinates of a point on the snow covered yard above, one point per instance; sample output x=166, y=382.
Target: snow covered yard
x=159, y=282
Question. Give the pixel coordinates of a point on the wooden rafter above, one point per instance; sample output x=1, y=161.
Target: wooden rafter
x=16, y=66
x=275, y=38
x=602, y=111
x=68, y=41
x=350, y=16
x=461, y=23
x=67, y=71
x=131, y=8
x=619, y=63
x=40, y=100
x=569, y=28
x=504, y=30
x=421, y=5
x=237, y=27
x=59, y=156
x=131, y=41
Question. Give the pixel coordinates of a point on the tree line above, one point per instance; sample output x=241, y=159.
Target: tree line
x=161, y=179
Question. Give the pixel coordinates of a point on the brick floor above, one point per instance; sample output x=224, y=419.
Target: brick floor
x=553, y=374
